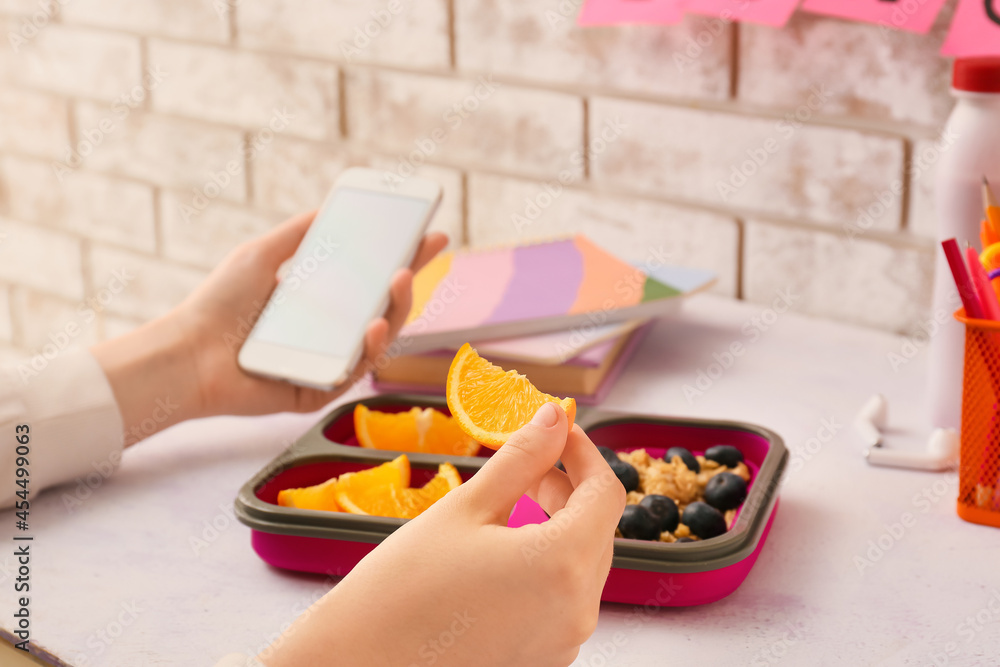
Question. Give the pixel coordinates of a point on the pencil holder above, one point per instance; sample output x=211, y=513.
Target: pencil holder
x=979, y=464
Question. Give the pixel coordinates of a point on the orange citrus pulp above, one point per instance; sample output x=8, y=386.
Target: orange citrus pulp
x=318, y=497
x=489, y=403
x=424, y=430
x=391, y=496
x=380, y=491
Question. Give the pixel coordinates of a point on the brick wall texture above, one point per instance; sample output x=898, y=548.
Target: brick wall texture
x=781, y=159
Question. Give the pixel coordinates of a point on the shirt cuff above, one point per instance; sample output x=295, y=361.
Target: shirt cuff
x=74, y=421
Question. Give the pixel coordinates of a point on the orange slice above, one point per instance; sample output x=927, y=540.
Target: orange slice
x=385, y=497
x=490, y=403
x=423, y=430
x=370, y=491
x=412, y=502
x=318, y=497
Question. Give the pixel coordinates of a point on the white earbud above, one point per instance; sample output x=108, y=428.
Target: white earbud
x=876, y=410
x=872, y=417
x=941, y=454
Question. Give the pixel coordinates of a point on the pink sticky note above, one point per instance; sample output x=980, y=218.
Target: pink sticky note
x=614, y=12
x=975, y=30
x=769, y=12
x=912, y=15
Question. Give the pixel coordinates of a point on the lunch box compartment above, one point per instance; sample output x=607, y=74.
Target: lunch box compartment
x=340, y=427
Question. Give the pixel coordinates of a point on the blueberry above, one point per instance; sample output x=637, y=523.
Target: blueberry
x=664, y=509
x=725, y=491
x=704, y=520
x=608, y=454
x=627, y=475
x=686, y=456
x=638, y=524
x=685, y=539
x=727, y=455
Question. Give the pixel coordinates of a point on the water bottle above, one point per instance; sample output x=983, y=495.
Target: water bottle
x=970, y=150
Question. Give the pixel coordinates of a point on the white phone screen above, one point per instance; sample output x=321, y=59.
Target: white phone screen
x=341, y=271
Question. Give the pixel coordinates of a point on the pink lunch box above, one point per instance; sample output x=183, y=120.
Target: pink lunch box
x=645, y=573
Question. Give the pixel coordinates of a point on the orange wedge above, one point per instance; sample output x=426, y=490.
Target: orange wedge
x=381, y=495
x=370, y=491
x=412, y=502
x=318, y=497
x=489, y=403
x=423, y=430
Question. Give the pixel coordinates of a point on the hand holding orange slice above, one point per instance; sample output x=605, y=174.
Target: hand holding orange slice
x=489, y=403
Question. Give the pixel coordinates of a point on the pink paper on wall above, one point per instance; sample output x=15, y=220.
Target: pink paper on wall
x=975, y=30
x=769, y=12
x=615, y=12
x=912, y=15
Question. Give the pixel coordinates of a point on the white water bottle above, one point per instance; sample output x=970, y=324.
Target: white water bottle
x=970, y=150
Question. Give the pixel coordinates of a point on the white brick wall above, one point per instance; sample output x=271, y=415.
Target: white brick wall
x=45, y=319
x=808, y=173
x=297, y=97
x=74, y=61
x=864, y=281
x=202, y=20
x=117, y=114
x=6, y=327
x=88, y=203
x=162, y=151
x=409, y=33
x=203, y=238
x=524, y=40
x=872, y=73
x=33, y=123
x=505, y=210
x=36, y=257
x=152, y=286
x=480, y=121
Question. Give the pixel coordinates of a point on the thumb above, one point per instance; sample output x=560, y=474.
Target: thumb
x=519, y=464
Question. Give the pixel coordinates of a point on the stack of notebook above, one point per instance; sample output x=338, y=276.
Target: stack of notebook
x=566, y=313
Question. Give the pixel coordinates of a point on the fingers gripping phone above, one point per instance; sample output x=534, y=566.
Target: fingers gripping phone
x=311, y=332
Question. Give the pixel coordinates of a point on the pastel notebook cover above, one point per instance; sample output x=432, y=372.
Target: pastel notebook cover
x=635, y=338
x=558, y=347
x=529, y=289
x=512, y=350
x=913, y=16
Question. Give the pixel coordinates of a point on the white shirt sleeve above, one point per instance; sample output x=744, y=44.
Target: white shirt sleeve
x=74, y=426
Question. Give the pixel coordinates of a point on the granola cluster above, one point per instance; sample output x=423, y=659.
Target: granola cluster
x=675, y=480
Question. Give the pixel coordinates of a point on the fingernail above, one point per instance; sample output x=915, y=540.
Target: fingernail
x=546, y=416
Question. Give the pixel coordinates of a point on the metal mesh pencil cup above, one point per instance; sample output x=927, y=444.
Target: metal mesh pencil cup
x=979, y=466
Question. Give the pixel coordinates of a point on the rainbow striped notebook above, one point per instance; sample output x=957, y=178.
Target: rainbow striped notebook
x=537, y=288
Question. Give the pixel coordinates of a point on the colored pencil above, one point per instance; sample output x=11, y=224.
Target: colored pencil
x=963, y=282
x=984, y=290
x=991, y=206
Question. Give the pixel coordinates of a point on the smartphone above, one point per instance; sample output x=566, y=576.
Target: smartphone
x=311, y=332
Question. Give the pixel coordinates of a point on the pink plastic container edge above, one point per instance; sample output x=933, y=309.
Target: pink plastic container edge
x=336, y=558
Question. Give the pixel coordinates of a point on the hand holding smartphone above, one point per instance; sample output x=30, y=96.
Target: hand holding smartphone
x=311, y=332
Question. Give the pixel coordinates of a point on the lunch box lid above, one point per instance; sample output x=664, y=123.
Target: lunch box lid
x=704, y=555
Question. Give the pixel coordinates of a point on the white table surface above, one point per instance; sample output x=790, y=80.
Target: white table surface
x=129, y=552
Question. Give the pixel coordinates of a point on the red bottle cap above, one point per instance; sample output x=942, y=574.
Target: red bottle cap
x=977, y=75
